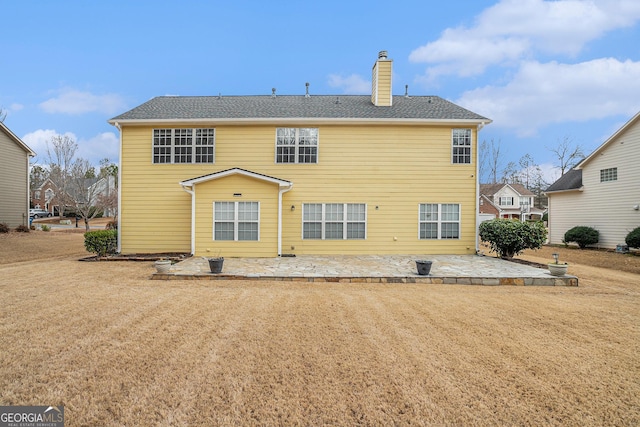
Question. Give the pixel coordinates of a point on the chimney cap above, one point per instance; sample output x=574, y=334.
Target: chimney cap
x=382, y=54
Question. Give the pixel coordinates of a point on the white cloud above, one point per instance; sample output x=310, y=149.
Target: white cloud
x=103, y=145
x=72, y=101
x=513, y=30
x=16, y=107
x=550, y=173
x=353, y=84
x=38, y=140
x=540, y=94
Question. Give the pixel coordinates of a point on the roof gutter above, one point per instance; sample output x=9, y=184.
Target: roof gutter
x=308, y=120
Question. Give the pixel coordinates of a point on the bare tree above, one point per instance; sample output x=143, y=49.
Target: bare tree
x=37, y=176
x=567, y=154
x=61, y=150
x=3, y=114
x=109, y=198
x=491, y=161
x=511, y=174
x=85, y=191
x=528, y=168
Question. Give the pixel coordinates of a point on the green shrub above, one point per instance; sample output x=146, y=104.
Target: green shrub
x=582, y=235
x=508, y=238
x=46, y=227
x=22, y=228
x=101, y=242
x=4, y=228
x=633, y=238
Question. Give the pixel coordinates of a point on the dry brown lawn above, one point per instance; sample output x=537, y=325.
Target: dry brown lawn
x=116, y=348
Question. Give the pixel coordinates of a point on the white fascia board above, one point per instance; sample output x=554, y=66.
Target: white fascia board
x=302, y=120
x=236, y=171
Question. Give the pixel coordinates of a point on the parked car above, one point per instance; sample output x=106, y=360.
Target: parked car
x=39, y=213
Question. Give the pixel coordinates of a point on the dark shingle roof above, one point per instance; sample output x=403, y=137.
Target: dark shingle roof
x=571, y=180
x=296, y=107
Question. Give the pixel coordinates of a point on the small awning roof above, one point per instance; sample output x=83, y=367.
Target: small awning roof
x=236, y=171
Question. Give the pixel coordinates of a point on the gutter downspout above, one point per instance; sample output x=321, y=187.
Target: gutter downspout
x=119, y=245
x=281, y=191
x=193, y=216
x=477, y=202
x=25, y=219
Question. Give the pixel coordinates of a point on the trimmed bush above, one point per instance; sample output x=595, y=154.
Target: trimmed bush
x=45, y=227
x=508, y=238
x=101, y=242
x=22, y=228
x=582, y=235
x=633, y=238
x=4, y=228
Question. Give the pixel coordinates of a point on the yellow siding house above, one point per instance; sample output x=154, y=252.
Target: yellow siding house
x=262, y=176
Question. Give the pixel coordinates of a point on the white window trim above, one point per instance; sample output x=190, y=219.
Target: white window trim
x=172, y=146
x=439, y=222
x=506, y=204
x=235, y=220
x=470, y=146
x=297, y=147
x=609, y=174
x=345, y=221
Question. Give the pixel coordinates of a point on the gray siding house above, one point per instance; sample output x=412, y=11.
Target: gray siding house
x=602, y=191
x=14, y=178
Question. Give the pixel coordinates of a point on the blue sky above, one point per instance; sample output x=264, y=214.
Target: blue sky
x=541, y=70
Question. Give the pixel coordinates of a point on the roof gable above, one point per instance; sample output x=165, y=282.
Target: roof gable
x=235, y=171
x=17, y=140
x=633, y=121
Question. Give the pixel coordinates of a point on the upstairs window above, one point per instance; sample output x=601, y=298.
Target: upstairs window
x=296, y=145
x=610, y=174
x=184, y=145
x=461, y=146
x=506, y=201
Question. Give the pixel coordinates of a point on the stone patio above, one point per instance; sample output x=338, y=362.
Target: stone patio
x=446, y=269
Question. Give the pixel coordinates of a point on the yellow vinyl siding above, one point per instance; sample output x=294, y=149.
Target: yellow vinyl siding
x=223, y=190
x=393, y=167
x=381, y=82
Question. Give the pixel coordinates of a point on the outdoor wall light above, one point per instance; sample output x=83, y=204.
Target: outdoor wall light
x=636, y=207
x=293, y=207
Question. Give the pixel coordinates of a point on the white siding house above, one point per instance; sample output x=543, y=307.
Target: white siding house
x=602, y=191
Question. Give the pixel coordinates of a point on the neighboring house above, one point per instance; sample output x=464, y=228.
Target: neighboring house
x=513, y=201
x=14, y=178
x=261, y=176
x=45, y=197
x=96, y=188
x=602, y=191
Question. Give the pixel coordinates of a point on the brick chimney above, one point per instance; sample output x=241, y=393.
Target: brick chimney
x=381, y=81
